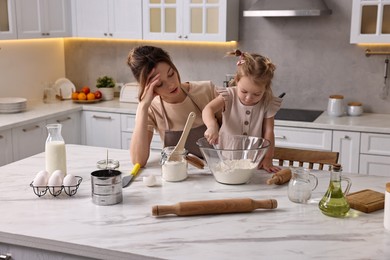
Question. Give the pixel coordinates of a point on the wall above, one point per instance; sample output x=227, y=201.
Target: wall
x=25, y=66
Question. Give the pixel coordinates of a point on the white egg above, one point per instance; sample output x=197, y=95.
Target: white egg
x=59, y=173
x=55, y=180
x=70, y=180
x=40, y=180
x=149, y=180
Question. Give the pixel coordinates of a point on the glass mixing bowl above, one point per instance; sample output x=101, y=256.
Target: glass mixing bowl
x=235, y=158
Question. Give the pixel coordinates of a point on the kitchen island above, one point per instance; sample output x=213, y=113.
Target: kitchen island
x=76, y=227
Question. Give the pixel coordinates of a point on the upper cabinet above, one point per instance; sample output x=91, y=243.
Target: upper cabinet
x=7, y=20
x=370, y=21
x=120, y=19
x=191, y=20
x=43, y=18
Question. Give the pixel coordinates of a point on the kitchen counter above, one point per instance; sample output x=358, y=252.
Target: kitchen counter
x=76, y=226
x=368, y=122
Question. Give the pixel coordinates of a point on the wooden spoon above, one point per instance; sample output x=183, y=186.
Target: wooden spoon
x=175, y=156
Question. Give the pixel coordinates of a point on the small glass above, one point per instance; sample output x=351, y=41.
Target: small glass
x=173, y=164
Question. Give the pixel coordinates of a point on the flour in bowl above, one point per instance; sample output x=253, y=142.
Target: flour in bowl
x=234, y=171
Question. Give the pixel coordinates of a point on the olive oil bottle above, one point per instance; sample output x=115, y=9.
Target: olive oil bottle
x=334, y=203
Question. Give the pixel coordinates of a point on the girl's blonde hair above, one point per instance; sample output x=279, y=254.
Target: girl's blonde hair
x=256, y=67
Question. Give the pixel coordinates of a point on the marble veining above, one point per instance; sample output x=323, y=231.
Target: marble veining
x=128, y=230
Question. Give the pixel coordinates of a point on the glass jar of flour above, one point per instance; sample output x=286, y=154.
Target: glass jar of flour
x=173, y=164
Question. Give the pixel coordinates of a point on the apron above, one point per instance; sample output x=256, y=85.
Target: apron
x=172, y=137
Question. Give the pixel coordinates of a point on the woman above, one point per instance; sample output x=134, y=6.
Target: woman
x=164, y=102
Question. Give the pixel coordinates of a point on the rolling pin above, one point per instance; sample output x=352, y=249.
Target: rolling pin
x=205, y=207
x=280, y=177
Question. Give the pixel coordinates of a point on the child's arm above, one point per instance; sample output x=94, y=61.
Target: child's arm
x=268, y=133
x=208, y=116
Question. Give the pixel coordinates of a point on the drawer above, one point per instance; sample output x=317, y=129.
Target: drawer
x=376, y=144
x=374, y=165
x=305, y=138
x=127, y=122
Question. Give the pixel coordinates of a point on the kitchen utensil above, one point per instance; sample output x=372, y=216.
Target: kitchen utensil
x=64, y=88
x=127, y=180
x=334, y=203
x=205, y=207
x=301, y=185
x=236, y=159
x=183, y=138
x=280, y=177
x=106, y=187
x=195, y=161
x=366, y=200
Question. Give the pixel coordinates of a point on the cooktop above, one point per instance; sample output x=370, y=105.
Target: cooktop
x=291, y=114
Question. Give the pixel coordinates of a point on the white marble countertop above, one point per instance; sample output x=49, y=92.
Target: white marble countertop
x=76, y=226
x=36, y=110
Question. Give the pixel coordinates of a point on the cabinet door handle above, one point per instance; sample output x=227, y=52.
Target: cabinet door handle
x=102, y=117
x=1, y=137
x=63, y=119
x=186, y=37
x=105, y=34
x=110, y=34
x=6, y=256
x=280, y=137
x=179, y=37
x=30, y=128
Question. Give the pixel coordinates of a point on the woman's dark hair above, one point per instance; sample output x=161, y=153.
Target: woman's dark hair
x=143, y=59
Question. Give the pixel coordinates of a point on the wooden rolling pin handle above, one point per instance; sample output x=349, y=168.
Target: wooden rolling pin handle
x=280, y=177
x=191, y=208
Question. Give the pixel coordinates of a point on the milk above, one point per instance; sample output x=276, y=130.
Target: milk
x=55, y=156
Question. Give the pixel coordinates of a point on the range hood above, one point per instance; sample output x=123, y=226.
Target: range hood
x=282, y=8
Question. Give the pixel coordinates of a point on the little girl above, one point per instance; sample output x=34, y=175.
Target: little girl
x=247, y=108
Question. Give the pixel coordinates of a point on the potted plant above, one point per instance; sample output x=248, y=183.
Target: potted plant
x=106, y=86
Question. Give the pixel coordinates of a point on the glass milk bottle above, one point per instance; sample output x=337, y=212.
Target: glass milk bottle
x=55, y=153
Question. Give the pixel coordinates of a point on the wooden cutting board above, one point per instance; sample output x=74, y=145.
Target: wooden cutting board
x=366, y=200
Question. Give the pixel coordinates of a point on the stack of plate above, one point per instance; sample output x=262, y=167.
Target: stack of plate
x=12, y=105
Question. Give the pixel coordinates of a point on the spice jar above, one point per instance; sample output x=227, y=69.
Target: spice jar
x=173, y=164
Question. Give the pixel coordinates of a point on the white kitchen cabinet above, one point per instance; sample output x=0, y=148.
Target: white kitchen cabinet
x=375, y=154
x=71, y=127
x=304, y=138
x=43, y=18
x=28, y=139
x=191, y=20
x=6, y=155
x=7, y=20
x=347, y=144
x=370, y=21
x=120, y=19
x=128, y=123
x=102, y=129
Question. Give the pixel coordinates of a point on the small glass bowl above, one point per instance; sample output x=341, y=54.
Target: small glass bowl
x=111, y=164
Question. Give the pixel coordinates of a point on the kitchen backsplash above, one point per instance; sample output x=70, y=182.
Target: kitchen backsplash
x=313, y=57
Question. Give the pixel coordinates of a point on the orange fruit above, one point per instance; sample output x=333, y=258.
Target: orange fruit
x=82, y=96
x=90, y=96
x=75, y=95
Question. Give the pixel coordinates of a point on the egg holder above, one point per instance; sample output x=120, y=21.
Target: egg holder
x=69, y=190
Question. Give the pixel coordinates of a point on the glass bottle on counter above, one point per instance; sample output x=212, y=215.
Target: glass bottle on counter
x=55, y=153
x=334, y=203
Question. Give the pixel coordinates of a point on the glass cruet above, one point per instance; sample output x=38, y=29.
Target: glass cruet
x=55, y=153
x=334, y=202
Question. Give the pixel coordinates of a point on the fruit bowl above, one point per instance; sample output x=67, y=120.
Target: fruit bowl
x=235, y=158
